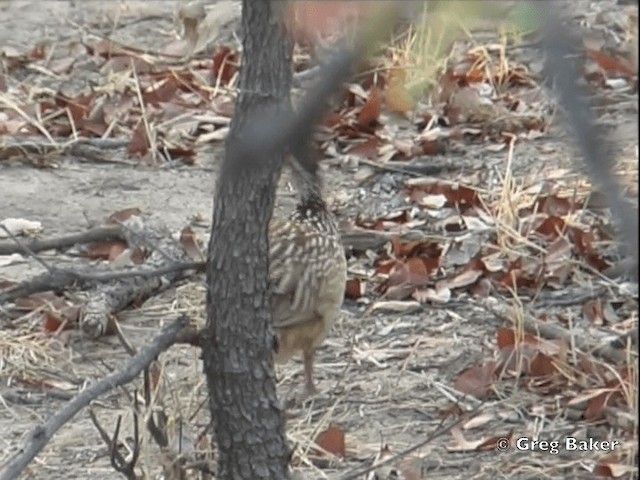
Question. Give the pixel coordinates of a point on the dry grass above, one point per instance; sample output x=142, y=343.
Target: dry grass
x=385, y=381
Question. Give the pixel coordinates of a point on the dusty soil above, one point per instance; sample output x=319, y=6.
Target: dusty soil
x=386, y=378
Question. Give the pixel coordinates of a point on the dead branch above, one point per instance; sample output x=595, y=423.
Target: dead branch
x=26, y=146
x=41, y=434
x=60, y=278
x=118, y=462
x=172, y=464
x=113, y=232
x=114, y=296
x=190, y=336
x=554, y=332
x=361, y=239
x=114, y=291
x=557, y=48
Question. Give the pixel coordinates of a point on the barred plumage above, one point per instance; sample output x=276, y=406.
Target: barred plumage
x=307, y=273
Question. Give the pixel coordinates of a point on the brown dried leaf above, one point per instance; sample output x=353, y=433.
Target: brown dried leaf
x=371, y=109
x=225, y=65
x=367, y=149
x=612, y=466
x=477, y=380
x=551, y=227
x=420, y=269
x=161, y=93
x=105, y=250
x=542, y=366
x=592, y=311
x=610, y=65
x=139, y=144
x=583, y=243
x=441, y=294
x=331, y=440
x=467, y=276
x=122, y=215
x=355, y=288
x=53, y=321
x=596, y=407
x=463, y=445
x=189, y=243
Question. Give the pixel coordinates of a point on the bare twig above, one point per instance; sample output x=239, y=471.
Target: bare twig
x=27, y=250
x=158, y=433
x=190, y=336
x=38, y=245
x=60, y=278
x=41, y=434
x=24, y=146
x=130, y=349
x=118, y=462
x=440, y=430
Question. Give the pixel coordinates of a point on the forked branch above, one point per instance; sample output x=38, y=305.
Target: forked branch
x=41, y=434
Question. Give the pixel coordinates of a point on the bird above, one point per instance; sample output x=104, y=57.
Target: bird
x=307, y=272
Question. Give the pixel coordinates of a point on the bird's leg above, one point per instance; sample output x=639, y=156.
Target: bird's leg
x=309, y=386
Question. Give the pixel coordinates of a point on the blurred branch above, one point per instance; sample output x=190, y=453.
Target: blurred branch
x=557, y=48
x=272, y=130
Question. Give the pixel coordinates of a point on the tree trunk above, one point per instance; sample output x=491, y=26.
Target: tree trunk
x=238, y=347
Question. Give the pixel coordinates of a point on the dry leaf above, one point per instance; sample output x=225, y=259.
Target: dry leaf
x=610, y=65
x=437, y=295
x=139, y=144
x=105, y=250
x=371, y=109
x=332, y=440
x=477, y=380
x=462, y=444
x=189, y=243
x=355, y=288
x=122, y=215
x=19, y=226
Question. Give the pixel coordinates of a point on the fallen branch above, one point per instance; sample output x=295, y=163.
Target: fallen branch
x=41, y=434
x=361, y=239
x=555, y=332
x=60, y=278
x=27, y=146
x=38, y=245
x=115, y=296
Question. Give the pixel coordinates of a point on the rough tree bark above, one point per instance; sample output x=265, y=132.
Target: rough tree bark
x=238, y=346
